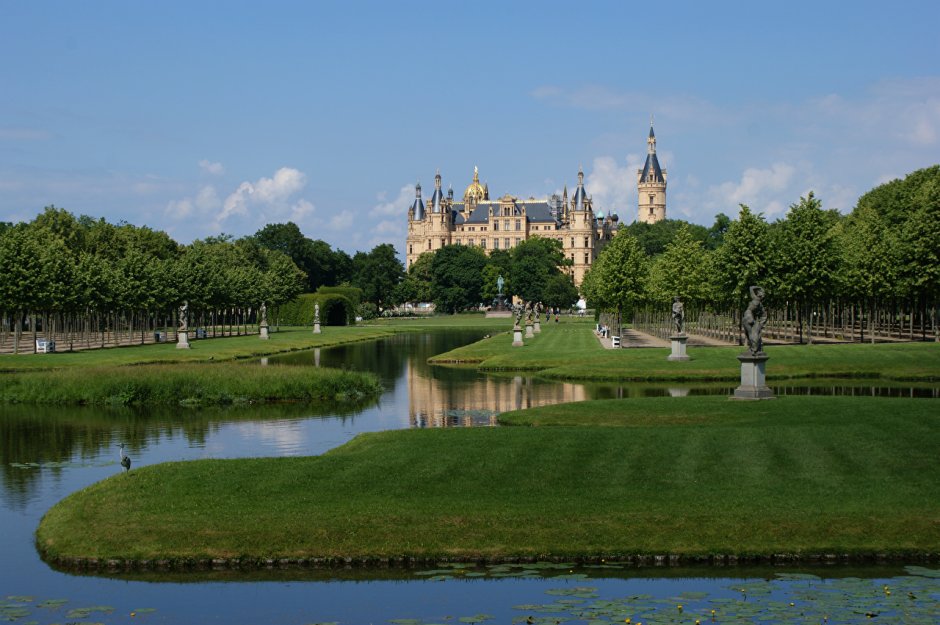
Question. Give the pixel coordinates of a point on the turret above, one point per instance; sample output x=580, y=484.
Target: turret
x=417, y=208
x=651, y=185
x=438, y=198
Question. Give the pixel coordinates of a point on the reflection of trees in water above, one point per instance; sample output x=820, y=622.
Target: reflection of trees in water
x=55, y=436
x=386, y=357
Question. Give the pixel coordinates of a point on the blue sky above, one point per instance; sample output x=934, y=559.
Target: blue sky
x=200, y=118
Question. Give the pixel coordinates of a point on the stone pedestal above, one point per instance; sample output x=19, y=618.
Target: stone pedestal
x=528, y=331
x=517, y=337
x=753, y=378
x=316, y=328
x=537, y=327
x=678, y=347
x=264, y=332
x=182, y=339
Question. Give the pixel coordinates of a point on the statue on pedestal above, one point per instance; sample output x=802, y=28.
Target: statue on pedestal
x=753, y=321
x=499, y=285
x=263, y=313
x=316, y=313
x=678, y=314
x=184, y=317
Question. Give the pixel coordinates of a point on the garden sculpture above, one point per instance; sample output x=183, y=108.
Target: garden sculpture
x=678, y=314
x=753, y=321
x=184, y=313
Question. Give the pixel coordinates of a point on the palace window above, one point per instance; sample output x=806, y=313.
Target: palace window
x=585, y=242
x=483, y=243
x=586, y=259
x=572, y=241
x=471, y=241
x=411, y=249
x=495, y=225
x=517, y=240
x=506, y=243
x=518, y=224
x=651, y=198
x=495, y=244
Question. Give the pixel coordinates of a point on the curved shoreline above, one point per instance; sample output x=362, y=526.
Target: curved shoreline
x=637, y=561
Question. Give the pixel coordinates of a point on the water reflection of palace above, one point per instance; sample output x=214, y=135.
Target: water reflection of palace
x=442, y=402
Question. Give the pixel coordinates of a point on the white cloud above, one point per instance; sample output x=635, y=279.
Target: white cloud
x=205, y=202
x=758, y=188
x=342, y=220
x=611, y=186
x=216, y=169
x=397, y=207
x=267, y=193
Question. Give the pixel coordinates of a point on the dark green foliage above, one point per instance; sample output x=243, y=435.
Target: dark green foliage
x=321, y=264
x=297, y=312
x=654, y=238
x=352, y=293
x=533, y=263
x=336, y=309
x=378, y=274
x=457, y=277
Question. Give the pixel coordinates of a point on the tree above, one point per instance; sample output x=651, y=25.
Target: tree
x=682, y=269
x=560, y=291
x=534, y=262
x=654, y=238
x=457, y=277
x=378, y=274
x=743, y=260
x=416, y=286
x=807, y=257
x=618, y=278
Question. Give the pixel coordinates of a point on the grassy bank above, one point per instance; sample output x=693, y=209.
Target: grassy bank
x=287, y=339
x=692, y=476
x=186, y=384
x=569, y=350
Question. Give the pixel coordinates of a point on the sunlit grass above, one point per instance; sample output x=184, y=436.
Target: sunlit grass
x=691, y=476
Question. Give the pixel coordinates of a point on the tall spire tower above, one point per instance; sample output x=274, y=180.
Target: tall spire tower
x=651, y=185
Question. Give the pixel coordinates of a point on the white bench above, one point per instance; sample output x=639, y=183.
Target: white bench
x=615, y=341
x=45, y=346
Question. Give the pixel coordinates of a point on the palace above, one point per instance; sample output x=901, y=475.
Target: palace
x=505, y=222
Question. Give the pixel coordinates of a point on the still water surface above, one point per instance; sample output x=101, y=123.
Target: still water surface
x=47, y=453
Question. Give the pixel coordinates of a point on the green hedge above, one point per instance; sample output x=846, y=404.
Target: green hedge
x=352, y=293
x=336, y=309
x=298, y=311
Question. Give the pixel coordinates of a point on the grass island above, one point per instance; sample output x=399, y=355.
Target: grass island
x=692, y=477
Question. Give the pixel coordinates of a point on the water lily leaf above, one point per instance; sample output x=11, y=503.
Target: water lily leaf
x=405, y=621
x=476, y=618
x=21, y=598
x=148, y=610
x=435, y=572
x=83, y=612
x=52, y=603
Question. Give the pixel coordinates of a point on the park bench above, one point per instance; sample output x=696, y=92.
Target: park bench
x=44, y=346
x=615, y=341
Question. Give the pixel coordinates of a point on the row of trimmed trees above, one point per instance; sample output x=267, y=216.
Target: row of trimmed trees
x=88, y=283
x=872, y=273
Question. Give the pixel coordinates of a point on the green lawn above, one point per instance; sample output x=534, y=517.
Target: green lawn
x=286, y=339
x=692, y=476
x=569, y=350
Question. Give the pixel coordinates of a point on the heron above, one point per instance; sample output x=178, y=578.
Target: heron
x=125, y=459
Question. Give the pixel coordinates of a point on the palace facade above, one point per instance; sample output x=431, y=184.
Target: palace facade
x=503, y=223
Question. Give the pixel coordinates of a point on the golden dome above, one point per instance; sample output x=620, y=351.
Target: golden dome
x=475, y=191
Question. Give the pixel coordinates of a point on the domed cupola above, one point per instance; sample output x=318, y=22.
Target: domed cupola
x=475, y=191
x=418, y=206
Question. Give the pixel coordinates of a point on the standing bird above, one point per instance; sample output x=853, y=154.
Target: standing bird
x=125, y=459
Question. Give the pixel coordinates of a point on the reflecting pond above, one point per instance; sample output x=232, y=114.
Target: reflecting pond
x=47, y=453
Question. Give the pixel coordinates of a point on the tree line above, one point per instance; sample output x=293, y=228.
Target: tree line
x=88, y=283
x=875, y=271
